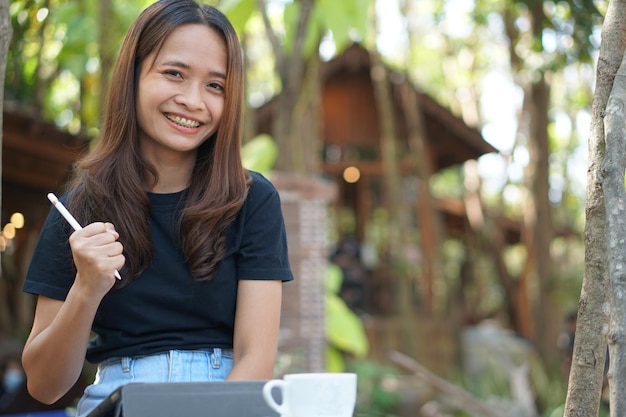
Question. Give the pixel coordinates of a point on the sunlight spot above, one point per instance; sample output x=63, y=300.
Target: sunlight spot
x=93, y=65
x=42, y=14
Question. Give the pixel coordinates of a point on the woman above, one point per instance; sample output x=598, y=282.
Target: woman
x=198, y=241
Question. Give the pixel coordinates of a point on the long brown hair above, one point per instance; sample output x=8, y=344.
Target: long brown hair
x=109, y=182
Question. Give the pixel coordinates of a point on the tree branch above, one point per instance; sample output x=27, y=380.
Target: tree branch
x=461, y=398
x=271, y=35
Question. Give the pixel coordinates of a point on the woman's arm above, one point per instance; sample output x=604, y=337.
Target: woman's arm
x=257, y=322
x=54, y=353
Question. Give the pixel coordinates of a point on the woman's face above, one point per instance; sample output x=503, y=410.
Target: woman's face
x=180, y=96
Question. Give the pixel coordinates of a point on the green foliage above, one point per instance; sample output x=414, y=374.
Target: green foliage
x=291, y=17
x=124, y=14
x=344, y=329
x=346, y=20
x=21, y=70
x=259, y=154
x=334, y=279
x=334, y=360
x=238, y=12
x=575, y=19
x=447, y=183
x=376, y=396
x=563, y=37
x=75, y=28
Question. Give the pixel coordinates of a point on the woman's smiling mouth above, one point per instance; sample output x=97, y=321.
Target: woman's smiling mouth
x=181, y=121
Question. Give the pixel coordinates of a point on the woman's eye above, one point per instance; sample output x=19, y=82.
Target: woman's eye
x=172, y=73
x=216, y=86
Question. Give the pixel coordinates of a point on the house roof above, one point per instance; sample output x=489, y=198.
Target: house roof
x=450, y=139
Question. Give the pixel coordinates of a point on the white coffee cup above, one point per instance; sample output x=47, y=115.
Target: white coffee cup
x=313, y=394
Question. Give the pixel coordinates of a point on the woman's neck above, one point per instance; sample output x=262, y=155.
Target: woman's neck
x=173, y=176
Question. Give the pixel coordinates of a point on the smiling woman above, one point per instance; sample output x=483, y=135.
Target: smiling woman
x=199, y=241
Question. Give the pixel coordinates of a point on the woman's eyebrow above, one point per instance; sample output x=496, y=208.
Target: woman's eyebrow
x=217, y=74
x=179, y=64
x=183, y=65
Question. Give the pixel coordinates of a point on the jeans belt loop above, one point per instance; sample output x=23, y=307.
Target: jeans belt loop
x=216, y=358
x=125, y=364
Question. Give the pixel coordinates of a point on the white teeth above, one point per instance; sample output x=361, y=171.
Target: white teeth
x=182, y=121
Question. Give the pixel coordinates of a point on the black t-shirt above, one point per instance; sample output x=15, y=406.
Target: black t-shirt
x=165, y=308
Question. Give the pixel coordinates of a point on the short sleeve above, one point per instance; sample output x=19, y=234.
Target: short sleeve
x=51, y=271
x=263, y=250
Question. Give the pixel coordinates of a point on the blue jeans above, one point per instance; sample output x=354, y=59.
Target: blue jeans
x=173, y=366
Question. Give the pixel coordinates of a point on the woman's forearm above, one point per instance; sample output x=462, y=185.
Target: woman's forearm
x=54, y=354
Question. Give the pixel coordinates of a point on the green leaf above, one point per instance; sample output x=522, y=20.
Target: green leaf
x=238, y=12
x=334, y=360
x=344, y=328
x=334, y=278
x=259, y=154
x=347, y=20
x=314, y=34
x=291, y=17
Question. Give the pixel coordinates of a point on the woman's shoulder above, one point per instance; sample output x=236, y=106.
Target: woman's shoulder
x=262, y=194
x=260, y=184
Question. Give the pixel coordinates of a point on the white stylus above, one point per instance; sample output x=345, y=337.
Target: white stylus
x=70, y=219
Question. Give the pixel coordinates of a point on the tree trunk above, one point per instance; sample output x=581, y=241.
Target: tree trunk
x=537, y=234
x=291, y=69
x=489, y=237
x=429, y=224
x=615, y=203
x=518, y=291
x=6, y=31
x=304, y=129
x=585, y=383
x=539, y=220
x=399, y=223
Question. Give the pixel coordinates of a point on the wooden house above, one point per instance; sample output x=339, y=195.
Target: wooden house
x=351, y=137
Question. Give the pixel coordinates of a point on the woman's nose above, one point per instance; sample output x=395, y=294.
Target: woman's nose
x=191, y=96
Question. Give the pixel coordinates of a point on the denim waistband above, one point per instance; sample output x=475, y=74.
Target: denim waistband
x=215, y=353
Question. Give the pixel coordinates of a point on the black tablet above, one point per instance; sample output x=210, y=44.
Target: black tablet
x=186, y=399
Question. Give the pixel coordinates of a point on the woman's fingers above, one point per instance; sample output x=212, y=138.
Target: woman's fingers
x=96, y=250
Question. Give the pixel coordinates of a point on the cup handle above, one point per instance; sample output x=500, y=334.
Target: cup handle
x=269, y=398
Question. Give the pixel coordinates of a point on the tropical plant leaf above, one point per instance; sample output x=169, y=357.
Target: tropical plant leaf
x=344, y=328
x=259, y=154
x=334, y=360
x=238, y=12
